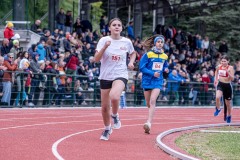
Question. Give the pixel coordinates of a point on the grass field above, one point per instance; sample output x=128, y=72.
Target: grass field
x=208, y=146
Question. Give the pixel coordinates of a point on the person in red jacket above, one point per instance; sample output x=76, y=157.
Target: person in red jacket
x=8, y=32
x=71, y=64
x=11, y=65
x=205, y=94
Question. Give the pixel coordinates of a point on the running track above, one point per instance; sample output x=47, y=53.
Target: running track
x=73, y=133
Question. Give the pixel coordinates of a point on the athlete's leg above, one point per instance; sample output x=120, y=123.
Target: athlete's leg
x=105, y=106
x=147, y=95
x=115, y=93
x=229, y=107
x=153, y=99
x=219, y=94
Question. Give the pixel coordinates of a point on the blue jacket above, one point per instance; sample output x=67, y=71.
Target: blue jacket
x=41, y=51
x=174, y=82
x=149, y=64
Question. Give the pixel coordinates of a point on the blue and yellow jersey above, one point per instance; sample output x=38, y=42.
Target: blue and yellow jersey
x=149, y=64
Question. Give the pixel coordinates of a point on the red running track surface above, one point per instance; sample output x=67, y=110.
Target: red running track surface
x=73, y=133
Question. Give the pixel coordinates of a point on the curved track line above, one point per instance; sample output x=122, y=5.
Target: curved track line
x=176, y=153
x=55, y=145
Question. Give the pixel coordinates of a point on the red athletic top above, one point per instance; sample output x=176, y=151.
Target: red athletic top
x=223, y=72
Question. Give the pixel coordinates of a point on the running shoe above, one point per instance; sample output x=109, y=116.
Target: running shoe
x=216, y=113
x=147, y=127
x=116, y=122
x=229, y=119
x=105, y=134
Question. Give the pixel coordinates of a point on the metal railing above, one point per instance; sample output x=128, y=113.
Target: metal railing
x=6, y=16
x=46, y=90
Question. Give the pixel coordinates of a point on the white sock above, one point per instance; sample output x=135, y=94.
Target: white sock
x=108, y=127
x=115, y=115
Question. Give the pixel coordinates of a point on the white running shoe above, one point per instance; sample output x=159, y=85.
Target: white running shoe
x=30, y=104
x=147, y=127
x=116, y=122
x=105, y=134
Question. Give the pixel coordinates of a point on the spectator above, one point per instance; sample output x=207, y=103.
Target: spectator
x=8, y=32
x=223, y=48
x=130, y=30
x=179, y=39
x=78, y=93
x=204, y=94
x=5, y=48
x=41, y=52
x=77, y=27
x=159, y=29
x=32, y=50
x=51, y=86
x=2, y=69
x=35, y=81
x=183, y=88
x=66, y=43
x=61, y=83
x=174, y=81
x=11, y=66
x=23, y=65
x=15, y=49
x=68, y=22
x=60, y=19
x=46, y=36
x=102, y=24
x=205, y=44
x=36, y=27
x=90, y=40
x=49, y=50
x=72, y=63
x=86, y=26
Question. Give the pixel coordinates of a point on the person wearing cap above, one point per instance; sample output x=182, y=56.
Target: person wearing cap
x=7, y=78
x=15, y=48
x=152, y=65
x=8, y=32
x=36, y=70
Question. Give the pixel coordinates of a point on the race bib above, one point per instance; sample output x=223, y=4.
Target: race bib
x=157, y=66
x=116, y=58
x=222, y=73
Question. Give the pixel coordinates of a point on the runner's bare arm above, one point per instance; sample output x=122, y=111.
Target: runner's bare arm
x=98, y=55
x=132, y=60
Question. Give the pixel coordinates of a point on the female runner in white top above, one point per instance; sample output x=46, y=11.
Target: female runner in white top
x=112, y=52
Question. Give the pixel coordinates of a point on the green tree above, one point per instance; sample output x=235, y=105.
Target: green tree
x=219, y=23
x=96, y=13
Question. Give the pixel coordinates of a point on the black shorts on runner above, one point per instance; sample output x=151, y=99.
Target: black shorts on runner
x=226, y=89
x=106, y=84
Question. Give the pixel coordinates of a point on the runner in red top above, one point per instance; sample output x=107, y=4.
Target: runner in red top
x=223, y=76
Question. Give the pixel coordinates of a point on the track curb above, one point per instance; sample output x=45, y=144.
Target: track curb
x=177, y=154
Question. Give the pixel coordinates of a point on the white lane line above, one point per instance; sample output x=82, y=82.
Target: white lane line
x=217, y=131
x=42, y=124
x=53, y=123
x=10, y=119
x=55, y=145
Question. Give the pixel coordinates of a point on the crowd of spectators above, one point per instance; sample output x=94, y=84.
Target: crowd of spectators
x=61, y=64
